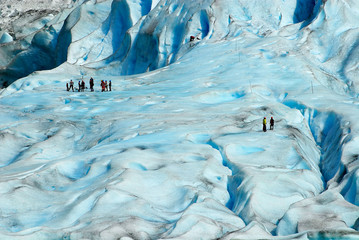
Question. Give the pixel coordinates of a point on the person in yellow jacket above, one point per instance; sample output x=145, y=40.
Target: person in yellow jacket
x=264, y=124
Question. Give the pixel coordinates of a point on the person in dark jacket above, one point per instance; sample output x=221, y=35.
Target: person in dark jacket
x=82, y=85
x=91, y=84
x=271, y=122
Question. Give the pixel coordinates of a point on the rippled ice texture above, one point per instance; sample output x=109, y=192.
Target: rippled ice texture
x=179, y=152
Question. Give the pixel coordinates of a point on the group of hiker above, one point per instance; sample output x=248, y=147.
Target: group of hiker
x=192, y=38
x=271, y=124
x=105, y=86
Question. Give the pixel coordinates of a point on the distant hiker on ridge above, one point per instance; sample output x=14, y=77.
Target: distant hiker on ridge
x=271, y=122
x=264, y=124
x=191, y=39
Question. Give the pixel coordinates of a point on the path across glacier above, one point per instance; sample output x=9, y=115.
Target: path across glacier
x=179, y=152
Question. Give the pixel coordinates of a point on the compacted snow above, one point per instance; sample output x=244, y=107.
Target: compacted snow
x=176, y=150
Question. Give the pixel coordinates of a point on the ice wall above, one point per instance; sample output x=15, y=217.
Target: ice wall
x=332, y=40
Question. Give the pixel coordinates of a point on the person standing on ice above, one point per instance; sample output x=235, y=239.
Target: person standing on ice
x=91, y=84
x=109, y=85
x=82, y=85
x=106, y=86
x=67, y=87
x=79, y=89
x=264, y=124
x=271, y=122
x=103, y=86
x=71, y=85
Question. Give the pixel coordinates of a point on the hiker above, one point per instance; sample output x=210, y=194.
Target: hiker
x=67, y=87
x=192, y=38
x=91, y=84
x=103, y=86
x=79, y=86
x=82, y=85
x=109, y=85
x=271, y=122
x=106, y=86
x=264, y=124
x=71, y=85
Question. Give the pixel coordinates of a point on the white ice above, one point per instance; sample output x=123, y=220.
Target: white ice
x=176, y=150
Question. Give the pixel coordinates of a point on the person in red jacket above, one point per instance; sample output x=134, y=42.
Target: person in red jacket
x=103, y=85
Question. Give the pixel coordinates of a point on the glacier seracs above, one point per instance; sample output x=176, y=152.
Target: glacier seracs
x=176, y=150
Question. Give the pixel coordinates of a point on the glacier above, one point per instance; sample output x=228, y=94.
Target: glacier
x=176, y=150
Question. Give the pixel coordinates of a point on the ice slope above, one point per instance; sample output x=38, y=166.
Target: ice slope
x=137, y=36
x=178, y=152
